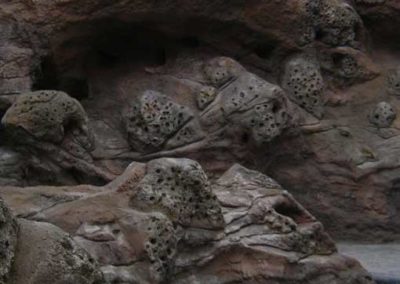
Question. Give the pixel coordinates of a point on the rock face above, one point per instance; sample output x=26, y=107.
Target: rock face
x=34, y=252
x=383, y=115
x=165, y=222
x=304, y=91
x=303, y=81
x=8, y=241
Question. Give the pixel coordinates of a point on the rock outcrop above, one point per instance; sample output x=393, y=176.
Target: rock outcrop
x=165, y=222
x=35, y=252
x=212, y=81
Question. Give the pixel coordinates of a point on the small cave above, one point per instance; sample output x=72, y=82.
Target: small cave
x=292, y=211
x=265, y=50
x=83, y=52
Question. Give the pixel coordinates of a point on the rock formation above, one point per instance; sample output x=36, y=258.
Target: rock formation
x=165, y=222
x=105, y=106
x=35, y=252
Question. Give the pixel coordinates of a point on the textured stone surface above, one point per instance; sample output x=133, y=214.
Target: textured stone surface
x=303, y=82
x=46, y=254
x=48, y=115
x=8, y=241
x=393, y=82
x=206, y=55
x=34, y=252
x=382, y=115
x=135, y=229
x=153, y=120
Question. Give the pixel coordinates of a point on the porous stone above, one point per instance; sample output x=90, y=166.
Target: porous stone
x=247, y=102
x=180, y=189
x=382, y=115
x=393, y=82
x=152, y=120
x=8, y=241
x=47, y=255
x=49, y=116
x=304, y=84
x=347, y=66
x=206, y=95
x=259, y=232
x=336, y=22
x=220, y=70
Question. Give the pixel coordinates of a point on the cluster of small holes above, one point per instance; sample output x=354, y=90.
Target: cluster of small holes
x=267, y=121
x=44, y=113
x=334, y=21
x=186, y=135
x=161, y=246
x=303, y=82
x=219, y=71
x=206, y=95
x=258, y=107
x=348, y=67
x=152, y=120
x=181, y=192
x=383, y=115
x=393, y=82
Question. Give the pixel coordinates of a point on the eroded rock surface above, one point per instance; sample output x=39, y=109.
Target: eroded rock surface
x=165, y=222
x=303, y=81
x=393, y=82
x=8, y=241
x=35, y=252
x=382, y=115
x=222, y=61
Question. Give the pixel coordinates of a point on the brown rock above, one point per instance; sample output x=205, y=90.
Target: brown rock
x=133, y=227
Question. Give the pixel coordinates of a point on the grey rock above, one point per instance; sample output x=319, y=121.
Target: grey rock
x=49, y=116
x=247, y=102
x=304, y=84
x=393, y=82
x=382, y=115
x=46, y=254
x=165, y=222
x=8, y=241
x=152, y=120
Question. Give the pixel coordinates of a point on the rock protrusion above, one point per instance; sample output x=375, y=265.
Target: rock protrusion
x=8, y=241
x=49, y=116
x=382, y=115
x=336, y=22
x=180, y=189
x=304, y=84
x=152, y=120
x=247, y=102
x=393, y=82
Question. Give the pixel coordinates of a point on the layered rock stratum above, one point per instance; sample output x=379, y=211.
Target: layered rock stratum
x=96, y=96
x=165, y=222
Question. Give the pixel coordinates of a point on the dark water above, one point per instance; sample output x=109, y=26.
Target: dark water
x=387, y=280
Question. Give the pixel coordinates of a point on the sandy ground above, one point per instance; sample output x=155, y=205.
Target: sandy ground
x=381, y=260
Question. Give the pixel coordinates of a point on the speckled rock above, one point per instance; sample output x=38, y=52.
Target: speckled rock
x=8, y=241
x=303, y=81
x=48, y=116
x=382, y=115
x=164, y=222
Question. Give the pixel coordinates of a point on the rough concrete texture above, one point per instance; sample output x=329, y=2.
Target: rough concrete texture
x=304, y=91
x=184, y=228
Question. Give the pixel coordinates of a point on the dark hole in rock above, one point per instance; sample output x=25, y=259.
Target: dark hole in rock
x=293, y=212
x=265, y=50
x=190, y=41
x=45, y=76
x=319, y=34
